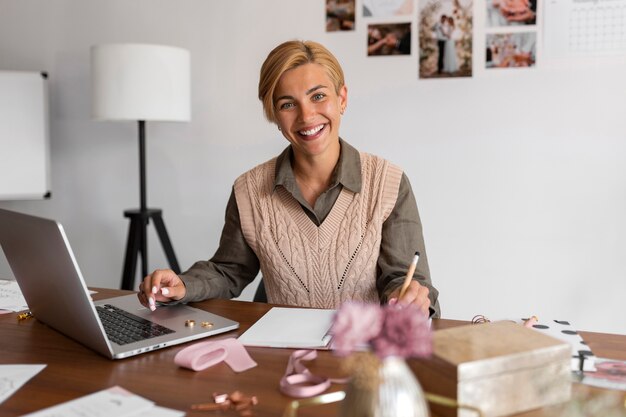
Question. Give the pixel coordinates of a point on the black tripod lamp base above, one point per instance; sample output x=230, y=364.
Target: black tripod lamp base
x=138, y=244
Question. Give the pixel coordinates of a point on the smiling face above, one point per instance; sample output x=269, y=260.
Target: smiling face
x=308, y=110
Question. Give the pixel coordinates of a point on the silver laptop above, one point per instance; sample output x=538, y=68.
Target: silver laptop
x=45, y=268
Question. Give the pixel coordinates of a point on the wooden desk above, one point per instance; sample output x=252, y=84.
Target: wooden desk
x=74, y=370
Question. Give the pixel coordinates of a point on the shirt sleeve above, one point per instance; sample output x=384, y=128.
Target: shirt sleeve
x=401, y=236
x=233, y=266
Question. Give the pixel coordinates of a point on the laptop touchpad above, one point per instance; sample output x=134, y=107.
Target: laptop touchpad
x=166, y=312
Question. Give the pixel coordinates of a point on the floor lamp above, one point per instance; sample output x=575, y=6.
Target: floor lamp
x=140, y=82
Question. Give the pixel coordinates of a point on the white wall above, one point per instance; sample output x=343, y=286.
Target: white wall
x=519, y=175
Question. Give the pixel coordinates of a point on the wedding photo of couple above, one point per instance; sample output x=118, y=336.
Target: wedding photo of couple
x=445, y=39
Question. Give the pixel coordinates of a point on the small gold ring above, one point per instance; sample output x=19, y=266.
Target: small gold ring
x=190, y=323
x=206, y=324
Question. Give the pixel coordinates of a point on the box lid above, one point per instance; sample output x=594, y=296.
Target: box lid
x=481, y=350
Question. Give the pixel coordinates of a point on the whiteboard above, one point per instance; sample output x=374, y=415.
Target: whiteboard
x=24, y=149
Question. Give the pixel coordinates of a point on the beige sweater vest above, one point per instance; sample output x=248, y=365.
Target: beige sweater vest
x=310, y=266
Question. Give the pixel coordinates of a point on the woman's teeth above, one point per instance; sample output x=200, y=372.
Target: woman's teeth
x=311, y=131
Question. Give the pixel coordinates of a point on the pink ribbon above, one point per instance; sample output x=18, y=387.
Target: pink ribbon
x=203, y=355
x=299, y=382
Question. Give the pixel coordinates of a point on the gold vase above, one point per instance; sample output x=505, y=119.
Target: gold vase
x=392, y=391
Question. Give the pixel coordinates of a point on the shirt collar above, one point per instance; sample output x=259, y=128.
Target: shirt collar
x=347, y=172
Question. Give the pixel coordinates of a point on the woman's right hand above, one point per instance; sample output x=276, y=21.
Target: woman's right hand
x=162, y=285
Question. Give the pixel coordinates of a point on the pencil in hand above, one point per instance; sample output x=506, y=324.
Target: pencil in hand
x=409, y=275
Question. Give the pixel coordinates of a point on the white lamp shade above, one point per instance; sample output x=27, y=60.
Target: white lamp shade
x=140, y=82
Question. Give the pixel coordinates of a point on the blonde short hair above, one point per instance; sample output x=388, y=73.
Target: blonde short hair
x=287, y=56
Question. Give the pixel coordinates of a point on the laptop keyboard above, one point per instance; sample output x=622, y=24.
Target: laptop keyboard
x=123, y=327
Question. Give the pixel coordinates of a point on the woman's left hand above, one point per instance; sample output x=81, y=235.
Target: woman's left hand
x=415, y=294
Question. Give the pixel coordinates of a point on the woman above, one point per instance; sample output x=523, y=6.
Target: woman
x=450, y=64
x=323, y=222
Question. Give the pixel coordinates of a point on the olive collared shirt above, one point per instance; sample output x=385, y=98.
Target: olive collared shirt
x=235, y=265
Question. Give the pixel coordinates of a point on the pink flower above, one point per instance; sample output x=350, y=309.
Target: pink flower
x=355, y=324
x=405, y=332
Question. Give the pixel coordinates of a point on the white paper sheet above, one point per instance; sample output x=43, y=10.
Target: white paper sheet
x=290, y=328
x=114, y=401
x=11, y=298
x=12, y=377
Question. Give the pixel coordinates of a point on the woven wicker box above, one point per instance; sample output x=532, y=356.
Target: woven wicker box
x=502, y=368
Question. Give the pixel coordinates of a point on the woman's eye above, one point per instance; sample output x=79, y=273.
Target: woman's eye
x=318, y=96
x=286, y=106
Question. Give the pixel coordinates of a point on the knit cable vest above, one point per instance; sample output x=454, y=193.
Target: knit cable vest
x=317, y=266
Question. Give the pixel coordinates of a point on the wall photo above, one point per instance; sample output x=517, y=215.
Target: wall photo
x=508, y=50
x=389, y=39
x=445, y=38
x=511, y=12
x=387, y=8
x=340, y=15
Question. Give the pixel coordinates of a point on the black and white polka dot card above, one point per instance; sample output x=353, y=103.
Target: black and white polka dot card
x=583, y=358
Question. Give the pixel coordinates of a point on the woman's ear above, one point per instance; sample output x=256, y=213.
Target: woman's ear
x=343, y=98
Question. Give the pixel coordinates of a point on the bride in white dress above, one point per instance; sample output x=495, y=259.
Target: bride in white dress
x=450, y=64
